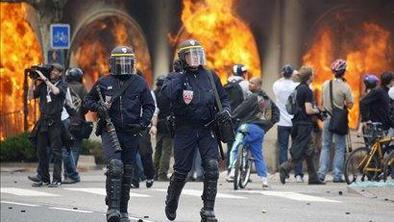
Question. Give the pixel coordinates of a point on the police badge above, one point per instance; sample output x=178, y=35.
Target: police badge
x=187, y=96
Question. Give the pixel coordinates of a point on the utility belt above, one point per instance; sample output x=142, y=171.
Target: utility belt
x=49, y=120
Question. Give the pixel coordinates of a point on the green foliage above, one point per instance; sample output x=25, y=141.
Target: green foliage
x=17, y=148
x=91, y=147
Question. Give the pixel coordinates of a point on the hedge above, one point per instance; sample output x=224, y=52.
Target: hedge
x=19, y=149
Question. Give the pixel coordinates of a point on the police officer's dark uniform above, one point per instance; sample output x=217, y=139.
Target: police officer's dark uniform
x=125, y=113
x=193, y=105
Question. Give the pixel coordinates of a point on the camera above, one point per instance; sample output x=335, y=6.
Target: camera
x=44, y=69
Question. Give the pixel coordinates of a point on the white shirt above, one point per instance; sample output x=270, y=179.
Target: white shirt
x=243, y=83
x=282, y=89
x=68, y=101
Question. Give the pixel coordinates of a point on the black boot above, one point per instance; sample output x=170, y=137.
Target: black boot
x=177, y=182
x=284, y=170
x=208, y=197
x=113, y=187
x=125, y=195
x=313, y=177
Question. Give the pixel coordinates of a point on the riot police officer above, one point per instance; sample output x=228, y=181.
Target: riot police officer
x=193, y=104
x=130, y=106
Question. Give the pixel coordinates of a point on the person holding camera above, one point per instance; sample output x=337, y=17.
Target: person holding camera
x=51, y=90
x=124, y=104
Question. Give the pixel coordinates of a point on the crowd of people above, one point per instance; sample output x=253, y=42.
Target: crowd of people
x=182, y=111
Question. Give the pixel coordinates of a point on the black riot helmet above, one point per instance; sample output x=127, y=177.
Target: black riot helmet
x=74, y=75
x=160, y=80
x=122, y=61
x=191, y=54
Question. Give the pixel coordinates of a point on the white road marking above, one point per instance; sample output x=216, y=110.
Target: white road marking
x=72, y=210
x=198, y=193
x=292, y=196
x=21, y=204
x=101, y=191
x=26, y=192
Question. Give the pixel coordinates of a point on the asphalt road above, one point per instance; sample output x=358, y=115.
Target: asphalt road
x=291, y=202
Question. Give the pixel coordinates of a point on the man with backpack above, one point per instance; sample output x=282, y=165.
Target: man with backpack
x=257, y=114
x=237, y=89
x=282, y=89
x=78, y=93
x=304, y=111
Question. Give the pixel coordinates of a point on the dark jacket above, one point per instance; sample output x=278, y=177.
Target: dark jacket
x=202, y=108
x=258, y=109
x=375, y=107
x=126, y=109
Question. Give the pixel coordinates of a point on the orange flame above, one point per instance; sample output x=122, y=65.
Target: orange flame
x=19, y=49
x=366, y=52
x=225, y=37
x=96, y=41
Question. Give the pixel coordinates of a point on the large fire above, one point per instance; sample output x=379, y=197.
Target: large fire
x=366, y=50
x=95, y=42
x=225, y=37
x=19, y=50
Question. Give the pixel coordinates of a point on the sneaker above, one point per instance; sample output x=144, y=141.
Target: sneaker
x=135, y=184
x=35, y=178
x=40, y=184
x=68, y=180
x=283, y=174
x=55, y=184
x=299, y=179
x=231, y=175
x=340, y=180
x=316, y=182
x=149, y=183
x=265, y=182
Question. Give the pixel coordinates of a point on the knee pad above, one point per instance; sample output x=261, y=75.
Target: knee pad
x=211, y=169
x=179, y=177
x=115, y=168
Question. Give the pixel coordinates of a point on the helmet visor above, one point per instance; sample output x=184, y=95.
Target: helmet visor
x=123, y=65
x=194, y=57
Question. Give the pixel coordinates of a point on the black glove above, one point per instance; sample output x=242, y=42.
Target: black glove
x=101, y=111
x=135, y=128
x=223, y=116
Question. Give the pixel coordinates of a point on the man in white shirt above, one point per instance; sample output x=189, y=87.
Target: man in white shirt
x=282, y=89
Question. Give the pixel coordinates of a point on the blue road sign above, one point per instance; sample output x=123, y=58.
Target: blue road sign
x=60, y=36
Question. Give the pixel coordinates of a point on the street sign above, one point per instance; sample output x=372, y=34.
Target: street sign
x=60, y=36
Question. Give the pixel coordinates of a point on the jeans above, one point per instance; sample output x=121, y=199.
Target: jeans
x=252, y=136
x=70, y=170
x=75, y=150
x=340, y=145
x=283, y=141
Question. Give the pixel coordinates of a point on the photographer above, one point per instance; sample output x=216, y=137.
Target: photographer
x=51, y=90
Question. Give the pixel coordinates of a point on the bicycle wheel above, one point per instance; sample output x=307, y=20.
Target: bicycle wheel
x=388, y=168
x=355, y=164
x=245, y=167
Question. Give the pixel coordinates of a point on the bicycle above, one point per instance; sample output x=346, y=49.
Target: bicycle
x=243, y=164
x=369, y=162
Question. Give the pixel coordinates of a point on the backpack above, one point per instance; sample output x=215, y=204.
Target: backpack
x=234, y=93
x=291, y=104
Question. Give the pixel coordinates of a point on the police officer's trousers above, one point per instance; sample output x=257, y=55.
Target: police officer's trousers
x=120, y=172
x=186, y=141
